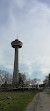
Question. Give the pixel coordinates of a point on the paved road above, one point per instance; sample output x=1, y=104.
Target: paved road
x=41, y=102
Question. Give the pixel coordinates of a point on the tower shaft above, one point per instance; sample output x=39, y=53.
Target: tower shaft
x=15, y=72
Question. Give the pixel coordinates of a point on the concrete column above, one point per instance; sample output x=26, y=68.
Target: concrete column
x=16, y=44
x=15, y=73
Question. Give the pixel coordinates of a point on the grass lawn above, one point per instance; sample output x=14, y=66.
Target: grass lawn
x=48, y=93
x=15, y=101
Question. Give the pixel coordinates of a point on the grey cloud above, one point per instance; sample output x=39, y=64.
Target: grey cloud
x=20, y=8
x=36, y=66
x=4, y=11
x=23, y=67
x=47, y=2
x=33, y=32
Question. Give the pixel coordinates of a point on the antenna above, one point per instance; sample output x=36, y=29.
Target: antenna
x=17, y=35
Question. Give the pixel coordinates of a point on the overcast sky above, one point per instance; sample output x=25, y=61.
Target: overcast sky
x=30, y=21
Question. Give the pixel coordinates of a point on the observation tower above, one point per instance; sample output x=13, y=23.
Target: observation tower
x=16, y=44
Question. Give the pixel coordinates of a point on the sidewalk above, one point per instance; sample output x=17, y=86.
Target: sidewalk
x=41, y=102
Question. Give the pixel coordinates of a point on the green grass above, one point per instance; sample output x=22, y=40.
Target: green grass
x=18, y=100
x=48, y=93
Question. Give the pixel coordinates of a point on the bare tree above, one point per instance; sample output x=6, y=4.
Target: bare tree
x=22, y=78
x=5, y=76
x=35, y=81
x=47, y=81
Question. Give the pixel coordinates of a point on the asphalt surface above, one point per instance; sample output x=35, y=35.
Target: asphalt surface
x=41, y=102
